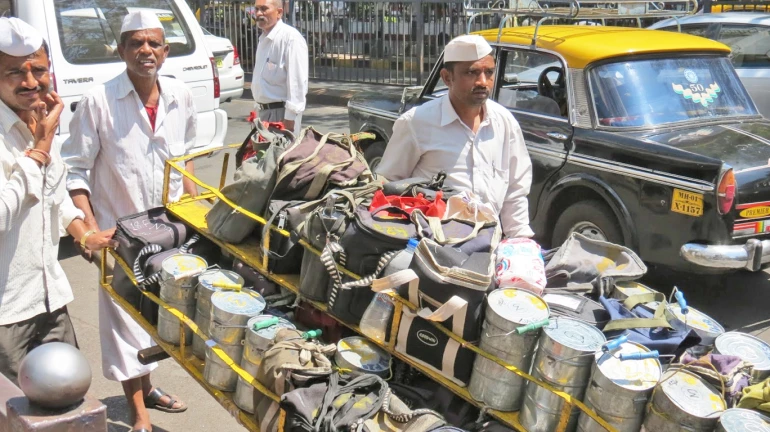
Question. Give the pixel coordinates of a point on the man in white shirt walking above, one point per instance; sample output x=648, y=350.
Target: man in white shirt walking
x=122, y=132
x=279, y=82
x=477, y=142
x=35, y=209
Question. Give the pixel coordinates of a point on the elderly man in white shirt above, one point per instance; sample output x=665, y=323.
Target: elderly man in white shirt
x=35, y=210
x=476, y=141
x=122, y=132
x=279, y=81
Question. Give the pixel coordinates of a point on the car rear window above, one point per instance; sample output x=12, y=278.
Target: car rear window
x=750, y=44
x=90, y=29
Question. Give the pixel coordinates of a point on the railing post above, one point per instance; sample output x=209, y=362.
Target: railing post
x=420, y=41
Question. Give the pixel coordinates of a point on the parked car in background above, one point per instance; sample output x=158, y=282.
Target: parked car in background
x=82, y=36
x=747, y=34
x=639, y=137
x=229, y=64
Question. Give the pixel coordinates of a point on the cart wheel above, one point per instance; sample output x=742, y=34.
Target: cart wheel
x=373, y=153
x=592, y=218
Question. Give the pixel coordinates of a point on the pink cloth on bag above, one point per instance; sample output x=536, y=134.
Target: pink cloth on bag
x=520, y=265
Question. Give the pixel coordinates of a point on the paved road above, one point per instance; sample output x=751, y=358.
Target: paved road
x=204, y=413
x=739, y=302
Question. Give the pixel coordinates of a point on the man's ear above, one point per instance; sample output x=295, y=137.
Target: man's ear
x=446, y=76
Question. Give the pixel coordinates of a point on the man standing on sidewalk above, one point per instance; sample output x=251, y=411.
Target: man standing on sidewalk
x=34, y=206
x=122, y=132
x=279, y=82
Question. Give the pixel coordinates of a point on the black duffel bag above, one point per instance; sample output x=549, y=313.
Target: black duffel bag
x=417, y=185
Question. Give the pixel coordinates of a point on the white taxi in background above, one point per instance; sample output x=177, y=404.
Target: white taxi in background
x=229, y=64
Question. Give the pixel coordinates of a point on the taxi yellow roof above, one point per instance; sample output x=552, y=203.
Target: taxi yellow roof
x=582, y=45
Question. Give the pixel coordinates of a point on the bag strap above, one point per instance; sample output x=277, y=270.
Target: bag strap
x=658, y=320
x=336, y=278
x=153, y=249
x=635, y=300
x=437, y=228
x=456, y=306
x=325, y=421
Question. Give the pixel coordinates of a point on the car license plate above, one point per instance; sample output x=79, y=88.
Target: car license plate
x=689, y=203
x=220, y=62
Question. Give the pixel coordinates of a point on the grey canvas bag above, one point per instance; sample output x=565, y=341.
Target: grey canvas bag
x=252, y=186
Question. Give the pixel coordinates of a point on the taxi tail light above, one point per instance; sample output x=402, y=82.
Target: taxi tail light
x=217, y=87
x=236, y=57
x=726, y=191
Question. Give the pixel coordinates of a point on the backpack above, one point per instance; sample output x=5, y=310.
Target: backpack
x=250, y=190
x=291, y=362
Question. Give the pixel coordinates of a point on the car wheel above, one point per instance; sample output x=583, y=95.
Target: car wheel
x=373, y=153
x=592, y=218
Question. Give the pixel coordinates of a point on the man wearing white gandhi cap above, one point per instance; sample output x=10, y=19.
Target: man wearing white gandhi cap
x=476, y=141
x=122, y=133
x=34, y=207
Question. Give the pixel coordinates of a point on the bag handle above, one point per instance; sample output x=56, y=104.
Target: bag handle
x=390, y=209
x=437, y=228
x=635, y=300
x=456, y=306
x=658, y=320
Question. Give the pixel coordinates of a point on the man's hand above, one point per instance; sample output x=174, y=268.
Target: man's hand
x=289, y=125
x=46, y=116
x=100, y=240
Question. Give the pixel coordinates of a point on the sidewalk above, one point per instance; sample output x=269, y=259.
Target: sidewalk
x=333, y=93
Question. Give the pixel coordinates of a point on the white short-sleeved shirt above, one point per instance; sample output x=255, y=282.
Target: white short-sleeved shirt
x=493, y=163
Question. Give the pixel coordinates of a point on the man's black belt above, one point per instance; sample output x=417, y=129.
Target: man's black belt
x=271, y=105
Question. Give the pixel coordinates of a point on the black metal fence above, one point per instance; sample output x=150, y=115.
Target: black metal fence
x=378, y=42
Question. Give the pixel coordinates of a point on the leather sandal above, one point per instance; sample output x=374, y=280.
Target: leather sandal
x=152, y=401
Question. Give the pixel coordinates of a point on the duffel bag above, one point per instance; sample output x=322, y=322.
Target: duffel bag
x=650, y=329
x=138, y=231
x=318, y=162
x=371, y=234
x=284, y=254
x=417, y=185
x=465, y=235
x=324, y=226
x=453, y=285
x=291, y=362
x=362, y=403
x=252, y=185
x=578, y=307
x=418, y=336
x=587, y=266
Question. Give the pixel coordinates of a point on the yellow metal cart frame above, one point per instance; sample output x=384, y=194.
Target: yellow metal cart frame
x=192, y=211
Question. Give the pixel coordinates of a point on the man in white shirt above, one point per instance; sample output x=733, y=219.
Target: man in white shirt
x=122, y=132
x=476, y=141
x=279, y=81
x=35, y=209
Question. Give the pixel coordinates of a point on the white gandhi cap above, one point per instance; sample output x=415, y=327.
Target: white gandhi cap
x=18, y=38
x=141, y=19
x=466, y=48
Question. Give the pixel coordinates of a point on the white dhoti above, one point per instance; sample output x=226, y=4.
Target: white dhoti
x=121, y=339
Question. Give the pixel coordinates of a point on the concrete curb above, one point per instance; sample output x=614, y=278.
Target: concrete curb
x=318, y=96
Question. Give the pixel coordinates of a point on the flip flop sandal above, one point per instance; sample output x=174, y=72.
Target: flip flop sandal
x=152, y=401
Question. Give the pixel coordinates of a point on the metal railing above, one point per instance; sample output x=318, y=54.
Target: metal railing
x=393, y=43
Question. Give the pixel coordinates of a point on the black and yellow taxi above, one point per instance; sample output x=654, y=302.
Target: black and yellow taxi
x=638, y=137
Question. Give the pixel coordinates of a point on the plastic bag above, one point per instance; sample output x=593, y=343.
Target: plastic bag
x=520, y=265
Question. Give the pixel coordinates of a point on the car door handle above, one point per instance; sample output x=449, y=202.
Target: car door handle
x=557, y=136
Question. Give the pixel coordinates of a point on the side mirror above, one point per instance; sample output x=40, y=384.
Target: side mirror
x=409, y=94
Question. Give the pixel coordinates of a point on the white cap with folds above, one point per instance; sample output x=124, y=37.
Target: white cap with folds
x=141, y=19
x=467, y=48
x=18, y=38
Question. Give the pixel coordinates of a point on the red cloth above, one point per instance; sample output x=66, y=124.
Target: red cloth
x=152, y=113
x=435, y=208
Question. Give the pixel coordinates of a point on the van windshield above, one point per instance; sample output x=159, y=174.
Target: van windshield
x=90, y=29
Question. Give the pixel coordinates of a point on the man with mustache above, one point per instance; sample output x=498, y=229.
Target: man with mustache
x=476, y=141
x=122, y=132
x=35, y=209
x=279, y=81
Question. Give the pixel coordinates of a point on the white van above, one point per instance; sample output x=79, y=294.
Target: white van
x=83, y=37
